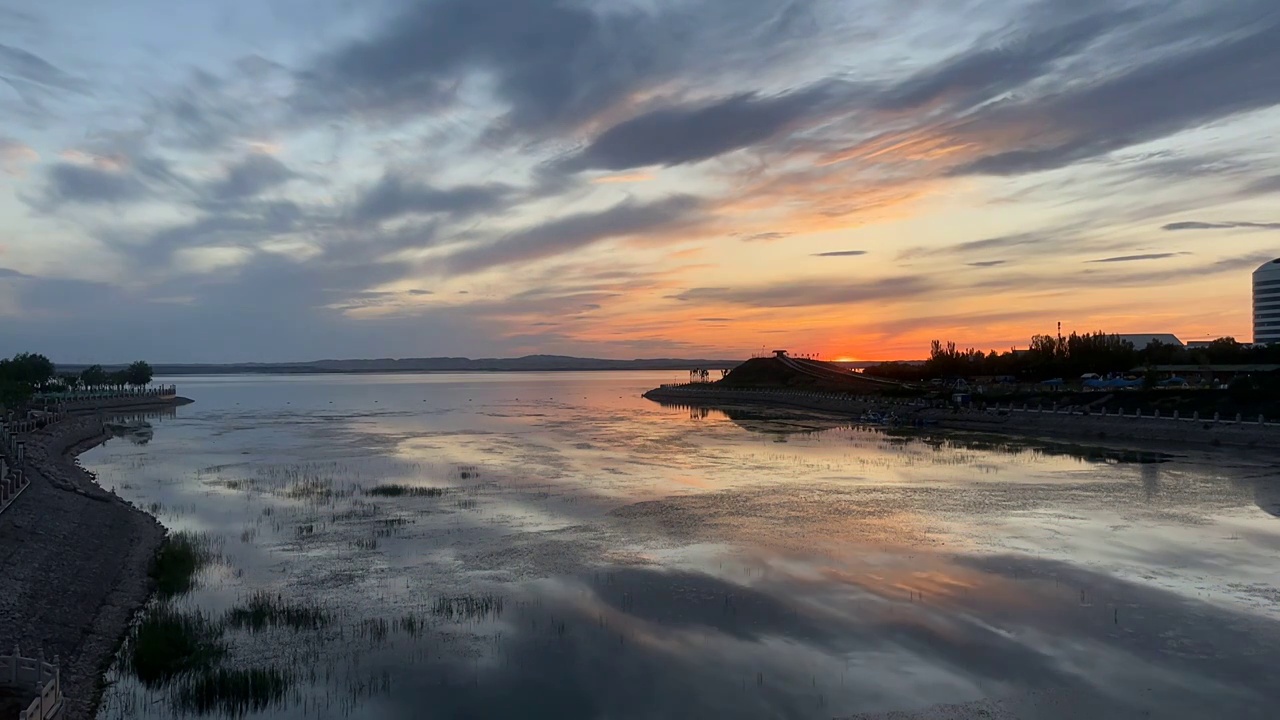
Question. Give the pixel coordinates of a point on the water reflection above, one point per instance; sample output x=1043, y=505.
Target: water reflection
x=586, y=555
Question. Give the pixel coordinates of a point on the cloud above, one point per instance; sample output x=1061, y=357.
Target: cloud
x=1184, y=87
x=987, y=263
x=680, y=135
x=1051, y=237
x=394, y=196
x=19, y=65
x=74, y=183
x=575, y=232
x=1226, y=225
x=1137, y=258
x=997, y=65
x=241, y=224
x=811, y=294
x=251, y=177
x=551, y=64
x=841, y=253
x=14, y=156
x=766, y=237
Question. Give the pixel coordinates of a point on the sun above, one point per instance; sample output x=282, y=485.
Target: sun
x=845, y=358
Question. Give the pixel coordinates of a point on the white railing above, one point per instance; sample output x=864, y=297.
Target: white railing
x=42, y=678
x=159, y=391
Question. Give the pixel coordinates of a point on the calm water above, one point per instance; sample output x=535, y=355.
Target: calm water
x=595, y=555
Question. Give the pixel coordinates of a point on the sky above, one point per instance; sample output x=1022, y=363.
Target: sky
x=276, y=180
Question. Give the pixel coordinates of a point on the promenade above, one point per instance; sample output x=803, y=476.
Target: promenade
x=74, y=557
x=1011, y=418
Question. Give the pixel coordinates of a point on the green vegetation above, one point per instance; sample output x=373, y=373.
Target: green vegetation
x=23, y=375
x=1070, y=357
x=402, y=490
x=232, y=692
x=265, y=610
x=26, y=374
x=181, y=557
x=94, y=377
x=167, y=642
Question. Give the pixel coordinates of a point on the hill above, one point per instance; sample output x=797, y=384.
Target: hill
x=528, y=363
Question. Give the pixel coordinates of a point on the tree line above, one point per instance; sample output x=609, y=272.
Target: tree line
x=26, y=374
x=1069, y=357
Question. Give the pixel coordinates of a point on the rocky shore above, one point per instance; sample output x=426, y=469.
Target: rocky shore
x=1013, y=421
x=74, y=562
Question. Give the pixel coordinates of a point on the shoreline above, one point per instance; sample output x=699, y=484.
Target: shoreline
x=76, y=558
x=1014, y=422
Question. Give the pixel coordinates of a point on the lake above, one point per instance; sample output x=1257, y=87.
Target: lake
x=555, y=546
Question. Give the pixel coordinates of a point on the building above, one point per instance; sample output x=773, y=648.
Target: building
x=1140, y=341
x=1266, y=303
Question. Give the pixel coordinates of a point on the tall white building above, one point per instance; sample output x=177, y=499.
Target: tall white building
x=1266, y=303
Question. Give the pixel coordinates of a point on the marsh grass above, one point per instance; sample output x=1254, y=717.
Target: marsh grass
x=471, y=607
x=264, y=610
x=179, y=560
x=166, y=643
x=232, y=692
x=395, y=490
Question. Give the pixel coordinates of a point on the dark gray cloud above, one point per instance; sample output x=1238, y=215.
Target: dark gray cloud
x=1225, y=225
x=574, y=232
x=1049, y=237
x=417, y=292
x=1139, y=258
x=987, y=263
x=395, y=196
x=250, y=224
x=1183, y=87
x=1265, y=186
x=812, y=294
x=841, y=253
x=73, y=183
x=766, y=237
x=998, y=65
x=680, y=135
x=251, y=177
x=19, y=66
x=553, y=63
x=12, y=274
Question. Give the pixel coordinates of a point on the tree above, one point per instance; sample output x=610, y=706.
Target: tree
x=27, y=369
x=138, y=374
x=94, y=376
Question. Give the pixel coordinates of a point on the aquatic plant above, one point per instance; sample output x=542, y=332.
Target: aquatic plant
x=182, y=556
x=470, y=607
x=395, y=490
x=232, y=692
x=167, y=642
x=265, y=610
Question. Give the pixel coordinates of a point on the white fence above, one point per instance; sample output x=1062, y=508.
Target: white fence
x=40, y=677
x=157, y=391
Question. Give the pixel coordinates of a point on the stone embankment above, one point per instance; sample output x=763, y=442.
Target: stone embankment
x=74, y=560
x=1011, y=419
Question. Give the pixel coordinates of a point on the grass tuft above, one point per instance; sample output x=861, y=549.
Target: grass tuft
x=232, y=692
x=402, y=490
x=182, y=556
x=264, y=610
x=166, y=643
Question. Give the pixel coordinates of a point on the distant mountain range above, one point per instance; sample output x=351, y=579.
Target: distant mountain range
x=529, y=363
